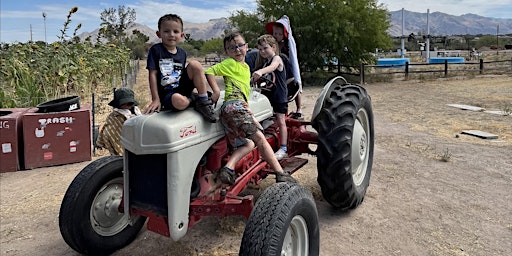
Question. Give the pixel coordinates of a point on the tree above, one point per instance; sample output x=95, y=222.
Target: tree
x=137, y=44
x=347, y=30
x=114, y=23
x=214, y=45
x=250, y=25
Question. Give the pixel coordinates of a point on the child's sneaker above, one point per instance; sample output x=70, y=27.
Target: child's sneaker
x=226, y=175
x=297, y=115
x=205, y=107
x=280, y=154
x=284, y=177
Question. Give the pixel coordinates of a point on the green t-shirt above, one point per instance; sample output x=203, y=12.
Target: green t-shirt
x=237, y=78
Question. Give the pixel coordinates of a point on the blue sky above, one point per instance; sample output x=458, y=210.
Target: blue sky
x=21, y=20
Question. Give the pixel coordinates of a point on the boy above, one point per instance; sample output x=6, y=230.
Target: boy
x=171, y=82
x=282, y=32
x=278, y=96
x=242, y=128
x=125, y=106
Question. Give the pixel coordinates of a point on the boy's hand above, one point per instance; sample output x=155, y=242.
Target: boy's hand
x=153, y=107
x=215, y=97
x=255, y=76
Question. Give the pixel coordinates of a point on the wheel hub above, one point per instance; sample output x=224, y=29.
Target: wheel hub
x=105, y=217
x=296, y=240
x=360, y=147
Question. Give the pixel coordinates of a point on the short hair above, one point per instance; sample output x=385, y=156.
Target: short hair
x=168, y=17
x=230, y=37
x=266, y=39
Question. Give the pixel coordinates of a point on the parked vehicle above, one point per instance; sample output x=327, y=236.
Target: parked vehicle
x=166, y=177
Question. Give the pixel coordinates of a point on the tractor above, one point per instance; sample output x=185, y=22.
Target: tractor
x=166, y=181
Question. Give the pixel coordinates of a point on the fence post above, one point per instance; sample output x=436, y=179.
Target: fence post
x=481, y=66
x=445, y=68
x=362, y=73
x=93, y=123
x=406, y=70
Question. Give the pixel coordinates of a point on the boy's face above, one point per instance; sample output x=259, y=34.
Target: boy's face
x=128, y=105
x=266, y=51
x=171, y=33
x=236, y=48
x=278, y=33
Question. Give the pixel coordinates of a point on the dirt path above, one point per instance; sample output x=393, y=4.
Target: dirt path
x=416, y=204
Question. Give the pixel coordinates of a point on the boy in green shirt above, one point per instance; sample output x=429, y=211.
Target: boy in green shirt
x=242, y=129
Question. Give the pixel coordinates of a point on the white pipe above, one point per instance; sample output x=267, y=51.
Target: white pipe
x=428, y=37
x=403, y=39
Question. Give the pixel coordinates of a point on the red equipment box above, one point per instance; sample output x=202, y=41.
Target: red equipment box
x=11, y=139
x=56, y=138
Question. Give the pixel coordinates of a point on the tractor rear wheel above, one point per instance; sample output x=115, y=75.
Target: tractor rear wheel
x=90, y=221
x=284, y=221
x=345, y=144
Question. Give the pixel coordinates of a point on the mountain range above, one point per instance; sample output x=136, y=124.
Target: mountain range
x=441, y=24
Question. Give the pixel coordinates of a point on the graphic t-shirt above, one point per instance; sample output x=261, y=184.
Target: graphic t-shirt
x=170, y=67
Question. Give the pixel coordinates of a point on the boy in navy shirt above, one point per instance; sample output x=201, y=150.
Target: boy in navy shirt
x=171, y=81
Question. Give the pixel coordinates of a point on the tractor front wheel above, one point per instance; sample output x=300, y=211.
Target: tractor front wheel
x=90, y=221
x=284, y=221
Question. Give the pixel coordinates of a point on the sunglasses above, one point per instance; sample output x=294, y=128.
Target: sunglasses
x=236, y=47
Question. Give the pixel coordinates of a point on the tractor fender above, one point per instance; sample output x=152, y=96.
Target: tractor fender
x=323, y=93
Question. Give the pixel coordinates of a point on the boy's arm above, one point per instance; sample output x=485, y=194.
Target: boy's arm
x=155, y=104
x=215, y=87
x=276, y=62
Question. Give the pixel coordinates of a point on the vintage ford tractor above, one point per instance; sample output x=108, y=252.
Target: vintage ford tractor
x=166, y=178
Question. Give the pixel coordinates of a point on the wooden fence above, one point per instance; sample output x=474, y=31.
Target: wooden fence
x=445, y=68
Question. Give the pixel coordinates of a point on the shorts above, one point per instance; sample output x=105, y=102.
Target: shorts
x=281, y=108
x=185, y=88
x=239, y=123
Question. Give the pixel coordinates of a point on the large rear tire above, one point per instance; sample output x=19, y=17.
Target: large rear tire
x=284, y=221
x=345, y=144
x=89, y=218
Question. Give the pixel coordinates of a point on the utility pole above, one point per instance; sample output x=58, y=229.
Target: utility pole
x=44, y=18
x=30, y=32
x=428, y=37
x=402, y=55
x=497, y=42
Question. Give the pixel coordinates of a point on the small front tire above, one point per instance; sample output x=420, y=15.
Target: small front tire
x=89, y=218
x=284, y=221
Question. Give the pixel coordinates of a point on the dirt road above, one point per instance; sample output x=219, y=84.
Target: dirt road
x=433, y=190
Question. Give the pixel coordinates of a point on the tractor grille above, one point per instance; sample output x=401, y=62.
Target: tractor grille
x=148, y=182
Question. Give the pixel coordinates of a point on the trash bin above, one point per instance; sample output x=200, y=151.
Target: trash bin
x=56, y=138
x=11, y=138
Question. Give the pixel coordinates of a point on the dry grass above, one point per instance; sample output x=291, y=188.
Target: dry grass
x=423, y=105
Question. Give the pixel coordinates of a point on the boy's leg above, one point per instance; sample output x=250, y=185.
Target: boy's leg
x=179, y=102
x=196, y=74
x=226, y=173
x=298, y=102
x=280, y=110
x=268, y=155
x=203, y=105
